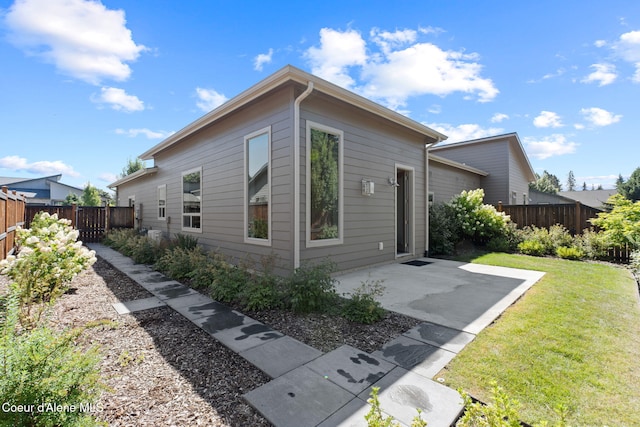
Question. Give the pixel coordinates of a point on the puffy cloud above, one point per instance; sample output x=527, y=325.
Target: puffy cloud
x=108, y=177
x=464, y=132
x=628, y=47
x=604, y=74
x=150, y=134
x=81, y=38
x=499, y=117
x=554, y=145
x=46, y=167
x=337, y=52
x=599, y=117
x=261, y=59
x=119, y=100
x=547, y=119
x=209, y=99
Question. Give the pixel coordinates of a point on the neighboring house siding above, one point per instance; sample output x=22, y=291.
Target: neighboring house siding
x=372, y=148
x=517, y=179
x=446, y=181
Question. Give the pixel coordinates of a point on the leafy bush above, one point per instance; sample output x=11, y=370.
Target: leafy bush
x=119, y=238
x=228, y=283
x=264, y=290
x=507, y=242
x=594, y=244
x=311, y=288
x=478, y=222
x=635, y=261
x=570, y=252
x=532, y=247
x=362, y=306
x=184, y=241
x=550, y=239
x=49, y=257
x=145, y=251
x=560, y=236
x=179, y=263
x=622, y=224
x=444, y=230
x=41, y=367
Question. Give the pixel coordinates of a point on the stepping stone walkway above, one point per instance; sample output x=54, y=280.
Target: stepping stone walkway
x=310, y=388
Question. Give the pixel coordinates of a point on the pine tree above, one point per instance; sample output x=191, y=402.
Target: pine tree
x=571, y=182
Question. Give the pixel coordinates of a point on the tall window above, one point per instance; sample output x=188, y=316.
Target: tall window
x=324, y=185
x=258, y=186
x=191, y=200
x=162, y=201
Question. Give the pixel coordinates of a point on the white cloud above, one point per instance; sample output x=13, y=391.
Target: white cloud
x=118, y=99
x=604, y=74
x=600, y=43
x=396, y=66
x=599, y=117
x=150, y=134
x=554, y=145
x=261, y=59
x=108, y=177
x=16, y=163
x=547, y=119
x=628, y=47
x=464, y=132
x=81, y=38
x=209, y=99
x=499, y=117
x=337, y=52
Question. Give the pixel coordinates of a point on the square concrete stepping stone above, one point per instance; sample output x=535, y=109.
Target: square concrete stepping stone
x=195, y=298
x=137, y=305
x=221, y=320
x=420, y=357
x=350, y=415
x=299, y=398
x=402, y=391
x=198, y=311
x=350, y=368
x=153, y=277
x=279, y=356
x=172, y=290
x=246, y=336
x=440, y=336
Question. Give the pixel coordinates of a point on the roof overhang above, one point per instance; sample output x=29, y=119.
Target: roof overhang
x=137, y=174
x=457, y=165
x=279, y=78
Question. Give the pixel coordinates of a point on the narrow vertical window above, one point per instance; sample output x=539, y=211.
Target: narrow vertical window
x=324, y=185
x=162, y=201
x=191, y=200
x=257, y=151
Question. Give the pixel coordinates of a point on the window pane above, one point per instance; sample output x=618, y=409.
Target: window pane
x=325, y=186
x=191, y=193
x=258, y=187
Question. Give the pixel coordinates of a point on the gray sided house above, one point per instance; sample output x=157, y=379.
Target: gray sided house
x=497, y=164
x=47, y=191
x=294, y=166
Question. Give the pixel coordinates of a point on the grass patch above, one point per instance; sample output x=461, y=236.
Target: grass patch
x=573, y=340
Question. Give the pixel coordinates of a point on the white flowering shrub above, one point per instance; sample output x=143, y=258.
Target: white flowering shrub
x=478, y=222
x=48, y=258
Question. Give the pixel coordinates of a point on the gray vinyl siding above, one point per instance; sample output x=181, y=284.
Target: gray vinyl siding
x=446, y=181
x=517, y=180
x=372, y=148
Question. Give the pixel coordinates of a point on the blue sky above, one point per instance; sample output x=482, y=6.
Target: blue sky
x=85, y=85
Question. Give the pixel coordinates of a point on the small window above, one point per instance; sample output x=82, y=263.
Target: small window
x=191, y=200
x=162, y=202
x=257, y=151
x=324, y=185
x=431, y=198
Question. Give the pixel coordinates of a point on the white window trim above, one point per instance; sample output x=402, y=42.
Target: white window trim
x=247, y=239
x=162, y=218
x=340, y=239
x=182, y=214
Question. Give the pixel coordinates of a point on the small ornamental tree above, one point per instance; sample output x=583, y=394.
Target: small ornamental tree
x=621, y=225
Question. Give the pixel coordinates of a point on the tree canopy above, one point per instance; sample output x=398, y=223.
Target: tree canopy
x=631, y=187
x=547, y=183
x=132, y=166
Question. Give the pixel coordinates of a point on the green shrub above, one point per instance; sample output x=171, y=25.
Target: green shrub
x=179, y=263
x=145, y=250
x=532, y=247
x=622, y=224
x=263, y=290
x=560, y=236
x=362, y=306
x=594, y=244
x=41, y=367
x=444, y=230
x=540, y=235
x=634, y=263
x=119, y=238
x=184, y=241
x=571, y=252
x=508, y=241
x=228, y=283
x=311, y=288
x=479, y=222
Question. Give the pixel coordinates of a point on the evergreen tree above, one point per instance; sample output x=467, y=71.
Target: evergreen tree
x=90, y=196
x=584, y=186
x=132, y=166
x=571, y=182
x=72, y=199
x=547, y=183
x=631, y=188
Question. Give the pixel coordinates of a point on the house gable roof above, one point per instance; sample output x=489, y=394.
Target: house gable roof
x=283, y=76
x=514, y=142
x=457, y=165
x=137, y=174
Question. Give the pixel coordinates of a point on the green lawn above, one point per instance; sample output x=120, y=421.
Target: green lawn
x=573, y=339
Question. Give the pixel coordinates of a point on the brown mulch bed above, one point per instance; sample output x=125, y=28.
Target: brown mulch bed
x=163, y=370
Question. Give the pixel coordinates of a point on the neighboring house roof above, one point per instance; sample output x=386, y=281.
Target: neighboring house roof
x=593, y=198
x=514, y=141
x=541, y=198
x=457, y=165
x=283, y=76
x=36, y=188
x=132, y=176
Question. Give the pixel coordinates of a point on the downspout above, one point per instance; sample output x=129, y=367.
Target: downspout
x=426, y=186
x=296, y=174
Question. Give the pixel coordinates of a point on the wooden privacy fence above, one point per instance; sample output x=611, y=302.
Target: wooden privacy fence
x=11, y=216
x=92, y=222
x=574, y=217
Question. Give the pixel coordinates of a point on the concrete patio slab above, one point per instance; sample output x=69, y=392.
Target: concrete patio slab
x=279, y=356
x=195, y=299
x=440, y=336
x=172, y=291
x=198, y=311
x=462, y=296
x=350, y=415
x=422, y=358
x=350, y=368
x=299, y=398
x=137, y=305
x=402, y=391
x=221, y=320
x=246, y=336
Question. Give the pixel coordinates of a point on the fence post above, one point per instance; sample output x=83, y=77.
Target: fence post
x=74, y=213
x=499, y=205
x=577, y=217
x=107, y=218
x=5, y=241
